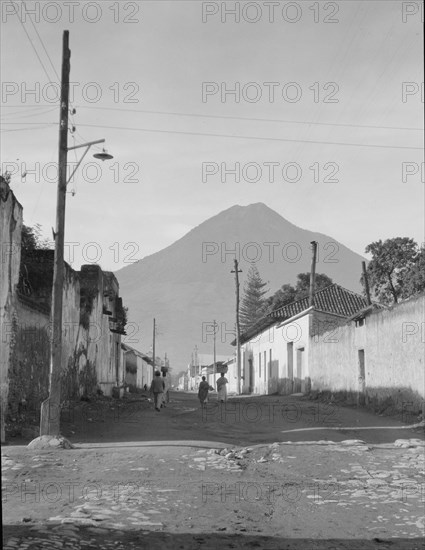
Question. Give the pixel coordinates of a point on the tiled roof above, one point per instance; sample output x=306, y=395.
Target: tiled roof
x=332, y=299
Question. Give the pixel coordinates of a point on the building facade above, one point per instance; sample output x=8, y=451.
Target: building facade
x=276, y=351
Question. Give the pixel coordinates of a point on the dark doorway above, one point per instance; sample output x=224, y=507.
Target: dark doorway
x=290, y=362
x=298, y=381
x=251, y=375
x=362, y=377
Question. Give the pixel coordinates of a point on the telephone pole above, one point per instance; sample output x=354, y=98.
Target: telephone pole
x=236, y=271
x=312, y=274
x=50, y=408
x=153, y=344
x=215, y=366
x=366, y=284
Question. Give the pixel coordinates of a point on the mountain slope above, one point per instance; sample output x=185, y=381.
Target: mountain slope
x=189, y=283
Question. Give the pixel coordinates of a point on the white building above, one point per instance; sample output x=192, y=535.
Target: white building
x=275, y=352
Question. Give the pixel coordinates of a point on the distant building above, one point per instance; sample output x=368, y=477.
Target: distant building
x=199, y=365
x=138, y=368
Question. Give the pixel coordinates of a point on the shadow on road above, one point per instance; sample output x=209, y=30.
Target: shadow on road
x=46, y=538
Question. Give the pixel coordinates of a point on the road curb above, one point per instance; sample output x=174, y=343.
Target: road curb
x=178, y=443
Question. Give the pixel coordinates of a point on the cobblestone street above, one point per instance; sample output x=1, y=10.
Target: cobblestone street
x=197, y=494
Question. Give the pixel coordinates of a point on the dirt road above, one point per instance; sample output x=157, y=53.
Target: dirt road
x=241, y=421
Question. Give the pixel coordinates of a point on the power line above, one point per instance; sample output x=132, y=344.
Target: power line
x=42, y=43
x=226, y=117
x=29, y=114
x=28, y=128
x=379, y=146
x=32, y=45
x=249, y=119
x=251, y=137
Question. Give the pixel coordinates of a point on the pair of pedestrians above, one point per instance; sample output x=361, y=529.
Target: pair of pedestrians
x=160, y=390
x=204, y=388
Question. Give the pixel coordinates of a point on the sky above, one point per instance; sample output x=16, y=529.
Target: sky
x=313, y=108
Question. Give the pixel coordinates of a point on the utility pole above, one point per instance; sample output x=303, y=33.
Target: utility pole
x=215, y=366
x=366, y=284
x=153, y=345
x=236, y=271
x=312, y=274
x=50, y=408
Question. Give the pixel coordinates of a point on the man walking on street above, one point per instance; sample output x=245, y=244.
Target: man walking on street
x=157, y=389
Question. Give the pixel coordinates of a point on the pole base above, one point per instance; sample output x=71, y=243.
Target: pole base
x=50, y=442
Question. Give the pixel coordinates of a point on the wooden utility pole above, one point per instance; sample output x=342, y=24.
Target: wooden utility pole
x=215, y=366
x=153, y=345
x=366, y=284
x=312, y=274
x=236, y=271
x=50, y=408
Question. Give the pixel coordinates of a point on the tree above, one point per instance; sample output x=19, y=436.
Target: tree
x=284, y=295
x=33, y=273
x=287, y=293
x=303, y=284
x=31, y=239
x=390, y=271
x=253, y=304
x=414, y=282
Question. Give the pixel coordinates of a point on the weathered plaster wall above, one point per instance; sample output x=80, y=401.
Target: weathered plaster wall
x=29, y=362
x=282, y=344
x=10, y=245
x=144, y=373
x=274, y=376
x=100, y=349
x=393, y=342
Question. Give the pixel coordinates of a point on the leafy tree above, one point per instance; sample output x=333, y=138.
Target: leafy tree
x=284, y=295
x=33, y=273
x=31, y=239
x=415, y=280
x=253, y=304
x=303, y=284
x=391, y=267
x=287, y=293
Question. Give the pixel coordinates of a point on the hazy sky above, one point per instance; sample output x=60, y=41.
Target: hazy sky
x=322, y=91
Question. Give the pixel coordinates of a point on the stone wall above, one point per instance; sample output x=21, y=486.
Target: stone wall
x=10, y=244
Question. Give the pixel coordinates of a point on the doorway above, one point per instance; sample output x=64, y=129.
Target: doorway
x=290, y=363
x=298, y=381
x=362, y=378
x=251, y=375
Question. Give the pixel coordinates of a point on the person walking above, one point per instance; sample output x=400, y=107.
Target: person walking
x=203, y=390
x=157, y=389
x=221, y=388
x=166, y=396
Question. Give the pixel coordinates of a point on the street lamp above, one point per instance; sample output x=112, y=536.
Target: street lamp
x=50, y=408
x=104, y=155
